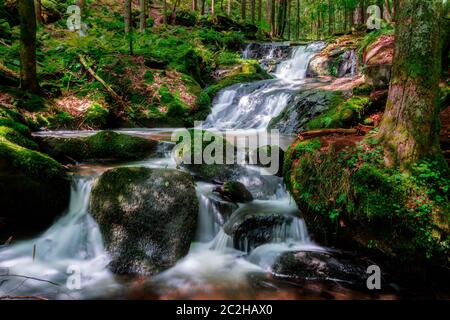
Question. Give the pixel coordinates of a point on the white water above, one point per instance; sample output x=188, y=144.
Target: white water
x=253, y=105
x=74, y=240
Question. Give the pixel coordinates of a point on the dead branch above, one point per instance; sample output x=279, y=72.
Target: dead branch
x=8, y=72
x=102, y=82
x=30, y=278
x=324, y=132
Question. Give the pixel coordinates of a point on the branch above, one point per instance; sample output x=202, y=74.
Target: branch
x=11, y=73
x=103, y=83
x=325, y=132
x=31, y=278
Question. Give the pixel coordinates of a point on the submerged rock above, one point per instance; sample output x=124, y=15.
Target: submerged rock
x=34, y=189
x=197, y=152
x=235, y=191
x=104, y=145
x=147, y=217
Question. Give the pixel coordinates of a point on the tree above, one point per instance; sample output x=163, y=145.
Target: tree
x=38, y=8
x=409, y=128
x=127, y=15
x=142, y=15
x=28, y=73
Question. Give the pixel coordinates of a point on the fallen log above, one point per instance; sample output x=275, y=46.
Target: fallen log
x=324, y=132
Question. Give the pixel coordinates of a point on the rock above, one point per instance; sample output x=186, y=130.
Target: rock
x=190, y=153
x=104, y=145
x=147, y=217
x=235, y=191
x=253, y=230
x=377, y=59
x=305, y=106
x=34, y=189
x=322, y=265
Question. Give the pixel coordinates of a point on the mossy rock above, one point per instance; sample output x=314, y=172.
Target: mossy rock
x=350, y=199
x=342, y=115
x=305, y=107
x=104, y=145
x=34, y=189
x=197, y=145
x=237, y=192
x=147, y=217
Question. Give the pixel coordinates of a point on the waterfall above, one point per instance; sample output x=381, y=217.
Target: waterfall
x=73, y=242
x=253, y=105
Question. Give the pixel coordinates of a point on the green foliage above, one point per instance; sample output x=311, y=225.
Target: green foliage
x=227, y=58
x=15, y=137
x=96, y=115
x=405, y=215
x=341, y=114
x=185, y=18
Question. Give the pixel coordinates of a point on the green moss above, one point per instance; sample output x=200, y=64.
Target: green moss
x=33, y=162
x=403, y=216
x=15, y=137
x=102, y=145
x=342, y=114
x=96, y=116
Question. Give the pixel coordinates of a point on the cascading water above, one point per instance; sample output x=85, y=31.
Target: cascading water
x=217, y=257
x=253, y=105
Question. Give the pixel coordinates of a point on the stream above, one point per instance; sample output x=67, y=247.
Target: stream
x=216, y=266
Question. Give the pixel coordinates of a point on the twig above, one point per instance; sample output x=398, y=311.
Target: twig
x=31, y=278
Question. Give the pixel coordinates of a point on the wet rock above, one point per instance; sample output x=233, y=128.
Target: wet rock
x=322, y=265
x=255, y=230
x=223, y=209
x=377, y=60
x=234, y=191
x=305, y=106
x=104, y=145
x=34, y=189
x=147, y=217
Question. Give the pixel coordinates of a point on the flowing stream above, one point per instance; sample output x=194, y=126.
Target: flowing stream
x=216, y=260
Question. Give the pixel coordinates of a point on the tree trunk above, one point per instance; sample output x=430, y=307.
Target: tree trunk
x=272, y=18
x=229, y=8
x=212, y=8
x=28, y=74
x=127, y=16
x=194, y=5
x=409, y=128
x=243, y=9
x=142, y=15
x=259, y=11
x=253, y=10
x=38, y=8
x=297, y=35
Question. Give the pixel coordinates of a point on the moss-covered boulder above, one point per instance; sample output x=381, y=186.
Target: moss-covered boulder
x=207, y=155
x=104, y=145
x=33, y=187
x=306, y=106
x=147, y=217
x=235, y=191
x=350, y=199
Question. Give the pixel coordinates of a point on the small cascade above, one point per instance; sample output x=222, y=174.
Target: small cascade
x=253, y=105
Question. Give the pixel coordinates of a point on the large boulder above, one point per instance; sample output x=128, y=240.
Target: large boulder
x=147, y=217
x=234, y=191
x=377, y=59
x=104, y=145
x=306, y=106
x=196, y=146
x=34, y=189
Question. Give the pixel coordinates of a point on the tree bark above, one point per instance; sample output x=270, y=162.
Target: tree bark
x=272, y=18
x=28, y=73
x=409, y=128
x=243, y=10
x=142, y=15
x=38, y=8
x=127, y=15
